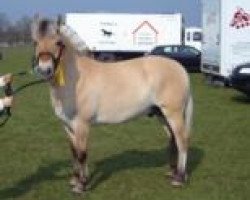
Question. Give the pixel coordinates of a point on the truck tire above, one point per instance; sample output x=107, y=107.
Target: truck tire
x=106, y=57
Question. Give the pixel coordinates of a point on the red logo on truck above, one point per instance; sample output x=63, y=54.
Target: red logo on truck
x=240, y=19
x=145, y=34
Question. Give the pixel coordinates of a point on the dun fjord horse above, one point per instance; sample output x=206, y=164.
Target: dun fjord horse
x=85, y=92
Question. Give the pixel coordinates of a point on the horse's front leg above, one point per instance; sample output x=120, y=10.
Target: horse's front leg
x=78, y=136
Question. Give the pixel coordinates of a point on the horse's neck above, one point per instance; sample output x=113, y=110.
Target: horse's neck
x=71, y=55
x=70, y=66
x=64, y=95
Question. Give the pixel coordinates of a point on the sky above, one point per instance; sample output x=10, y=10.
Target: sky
x=15, y=9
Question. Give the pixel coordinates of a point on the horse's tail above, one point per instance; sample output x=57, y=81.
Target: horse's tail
x=188, y=112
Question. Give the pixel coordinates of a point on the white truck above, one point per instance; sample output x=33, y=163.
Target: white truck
x=116, y=35
x=193, y=37
x=226, y=37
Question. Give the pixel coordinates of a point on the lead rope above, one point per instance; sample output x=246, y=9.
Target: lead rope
x=5, y=110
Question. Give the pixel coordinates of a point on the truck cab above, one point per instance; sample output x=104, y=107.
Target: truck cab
x=193, y=37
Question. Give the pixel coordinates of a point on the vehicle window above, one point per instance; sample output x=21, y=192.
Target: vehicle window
x=176, y=49
x=188, y=36
x=197, y=36
x=157, y=50
x=190, y=50
x=168, y=50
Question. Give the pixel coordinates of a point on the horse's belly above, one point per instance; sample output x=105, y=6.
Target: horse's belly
x=122, y=100
x=119, y=113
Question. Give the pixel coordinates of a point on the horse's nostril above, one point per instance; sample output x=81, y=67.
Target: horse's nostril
x=44, y=72
x=38, y=70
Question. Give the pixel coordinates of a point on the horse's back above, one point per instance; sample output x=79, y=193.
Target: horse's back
x=150, y=64
x=161, y=65
x=162, y=72
x=152, y=76
x=144, y=73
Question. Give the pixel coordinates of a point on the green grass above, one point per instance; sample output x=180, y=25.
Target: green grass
x=127, y=161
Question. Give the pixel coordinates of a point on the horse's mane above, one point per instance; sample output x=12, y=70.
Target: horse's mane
x=77, y=43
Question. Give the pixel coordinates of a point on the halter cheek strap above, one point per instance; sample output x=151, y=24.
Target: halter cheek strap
x=59, y=71
x=58, y=59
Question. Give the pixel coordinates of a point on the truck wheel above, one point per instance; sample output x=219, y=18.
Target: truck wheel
x=215, y=81
x=106, y=57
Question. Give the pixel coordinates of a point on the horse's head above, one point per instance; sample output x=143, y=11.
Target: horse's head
x=48, y=46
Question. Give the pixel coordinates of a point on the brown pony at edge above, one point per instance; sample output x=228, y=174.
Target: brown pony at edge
x=94, y=92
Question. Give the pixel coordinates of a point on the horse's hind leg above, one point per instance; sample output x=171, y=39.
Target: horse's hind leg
x=175, y=124
x=172, y=143
x=173, y=152
x=78, y=142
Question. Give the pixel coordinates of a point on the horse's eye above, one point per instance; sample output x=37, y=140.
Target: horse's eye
x=59, y=43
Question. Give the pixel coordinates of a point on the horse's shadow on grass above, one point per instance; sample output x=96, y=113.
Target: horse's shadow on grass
x=134, y=159
x=241, y=98
x=128, y=160
x=43, y=173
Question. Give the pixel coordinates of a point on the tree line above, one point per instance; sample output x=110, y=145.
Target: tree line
x=14, y=33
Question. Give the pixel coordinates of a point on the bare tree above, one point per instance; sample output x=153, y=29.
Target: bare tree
x=22, y=27
x=14, y=33
x=4, y=25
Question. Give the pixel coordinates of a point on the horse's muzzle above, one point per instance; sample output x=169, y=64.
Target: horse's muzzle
x=45, y=73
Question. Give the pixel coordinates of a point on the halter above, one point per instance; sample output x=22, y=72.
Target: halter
x=55, y=60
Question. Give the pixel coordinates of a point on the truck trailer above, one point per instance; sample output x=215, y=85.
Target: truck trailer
x=226, y=37
x=114, y=36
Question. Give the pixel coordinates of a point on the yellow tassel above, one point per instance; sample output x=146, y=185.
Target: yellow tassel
x=59, y=75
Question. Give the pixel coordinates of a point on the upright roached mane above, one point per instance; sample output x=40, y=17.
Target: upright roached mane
x=74, y=38
x=91, y=92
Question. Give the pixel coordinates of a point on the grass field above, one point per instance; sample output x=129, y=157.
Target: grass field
x=127, y=161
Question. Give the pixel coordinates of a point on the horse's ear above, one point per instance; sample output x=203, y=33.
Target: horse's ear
x=60, y=21
x=34, y=26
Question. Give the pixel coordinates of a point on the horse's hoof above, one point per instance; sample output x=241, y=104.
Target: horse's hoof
x=73, y=181
x=177, y=184
x=179, y=179
x=78, y=189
